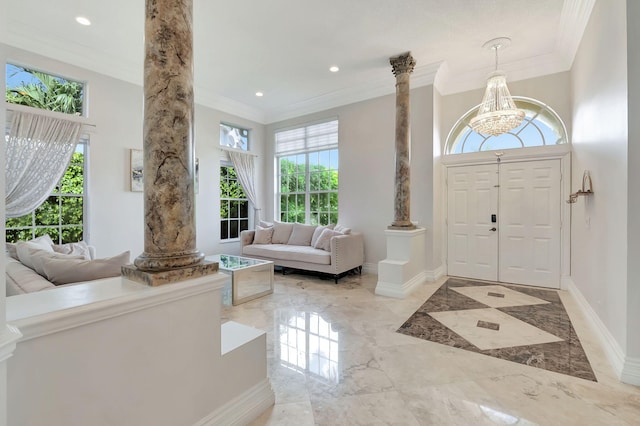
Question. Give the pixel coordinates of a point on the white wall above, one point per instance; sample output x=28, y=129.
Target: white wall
x=367, y=165
x=600, y=142
x=116, y=214
x=633, y=160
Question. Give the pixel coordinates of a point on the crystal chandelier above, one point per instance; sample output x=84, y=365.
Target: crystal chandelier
x=497, y=113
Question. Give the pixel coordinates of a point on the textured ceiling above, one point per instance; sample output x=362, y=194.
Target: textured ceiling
x=285, y=47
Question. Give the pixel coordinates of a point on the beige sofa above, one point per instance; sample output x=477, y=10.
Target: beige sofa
x=39, y=264
x=300, y=247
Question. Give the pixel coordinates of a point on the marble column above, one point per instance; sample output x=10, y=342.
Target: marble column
x=402, y=67
x=169, y=210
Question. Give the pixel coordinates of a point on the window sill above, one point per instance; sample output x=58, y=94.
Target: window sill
x=230, y=240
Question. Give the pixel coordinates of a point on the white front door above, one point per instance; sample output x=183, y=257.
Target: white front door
x=472, y=242
x=521, y=243
x=529, y=231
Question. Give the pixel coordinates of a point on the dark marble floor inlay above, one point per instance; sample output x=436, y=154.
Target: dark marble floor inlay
x=566, y=356
x=491, y=293
x=488, y=325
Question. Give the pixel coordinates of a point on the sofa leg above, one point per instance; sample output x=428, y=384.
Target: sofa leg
x=360, y=269
x=335, y=278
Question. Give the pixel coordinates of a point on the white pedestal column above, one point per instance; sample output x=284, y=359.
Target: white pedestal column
x=405, y=266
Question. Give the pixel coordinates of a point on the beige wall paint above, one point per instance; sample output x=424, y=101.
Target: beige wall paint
x=600, y=143
x=115, y=213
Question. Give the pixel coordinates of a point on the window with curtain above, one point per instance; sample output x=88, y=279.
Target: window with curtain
x=234, y=137
x=307, y=160
x=62, y=215
x=234, y=205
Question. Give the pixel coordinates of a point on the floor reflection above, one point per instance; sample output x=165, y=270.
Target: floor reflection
x=305, y=342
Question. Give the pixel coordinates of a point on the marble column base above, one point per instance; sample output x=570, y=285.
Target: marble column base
x=154, y=279
x=402, y=226
x=405, y=266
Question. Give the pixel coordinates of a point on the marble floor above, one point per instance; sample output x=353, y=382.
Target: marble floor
x=335, y=358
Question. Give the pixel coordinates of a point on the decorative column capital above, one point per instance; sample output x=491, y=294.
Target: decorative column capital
x=402, y=64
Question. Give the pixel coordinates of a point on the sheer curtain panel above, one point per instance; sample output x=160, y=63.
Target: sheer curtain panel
x=245, y=169
x=38, y=151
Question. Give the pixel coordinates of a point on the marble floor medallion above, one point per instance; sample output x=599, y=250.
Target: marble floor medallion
x=522, y=324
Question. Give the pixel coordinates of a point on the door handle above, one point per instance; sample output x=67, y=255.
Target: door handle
x=493, y=229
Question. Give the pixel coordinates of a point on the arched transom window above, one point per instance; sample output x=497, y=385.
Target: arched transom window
x=540, y=127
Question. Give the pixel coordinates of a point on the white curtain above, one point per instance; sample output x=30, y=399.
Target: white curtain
x=38, y=151
x=246, y=171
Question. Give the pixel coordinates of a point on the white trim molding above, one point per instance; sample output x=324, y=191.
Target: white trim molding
x=244, y=408
x=401, y=291
x=8, y=339
x=631, y=371
x=612, y=349
x=435, y=274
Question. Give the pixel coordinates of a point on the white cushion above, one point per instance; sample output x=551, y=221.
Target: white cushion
x=281, y=232
x=342, y=229
x=318, y=231
x=35, y=258
x=77, y=249
x=301, y=235
x=287, y=252
x=25, y=249
x=324, y=241
x=263, y=235
x=71, y=271
x=265, y=224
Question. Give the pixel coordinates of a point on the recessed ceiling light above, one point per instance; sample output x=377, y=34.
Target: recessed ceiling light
x=83, y=21
x=259, y=94
x=334, y=69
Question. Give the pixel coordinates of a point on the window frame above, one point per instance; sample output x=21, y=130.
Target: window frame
x=33, y=227
x=305, y=148
x=239, y=219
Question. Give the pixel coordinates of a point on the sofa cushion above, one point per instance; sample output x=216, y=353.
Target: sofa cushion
x=34, y=258
x=21, y=279
x=301, y=235
x=324, y=241
x=281, y=232
x=80, y=248
x=263, y=235
x=60, y=271
x=318, y=232
x=342, y=229
x=288, y=252
x=26, y=251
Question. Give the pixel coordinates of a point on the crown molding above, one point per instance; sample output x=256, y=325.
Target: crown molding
x=422, y=76
x=573, y=21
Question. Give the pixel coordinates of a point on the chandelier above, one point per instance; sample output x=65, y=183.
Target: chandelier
x=497, y=113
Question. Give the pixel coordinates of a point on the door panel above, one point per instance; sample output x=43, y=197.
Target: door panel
x=529, y=232
x=472, y=199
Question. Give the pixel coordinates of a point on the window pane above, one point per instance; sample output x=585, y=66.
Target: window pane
x=17, y=222
x=71, y=234
x=224, y=230
x=14, y=235
x=233, y=229
x=71, y=210
x=334, y=180
x=54, y=233
x=244, y=209
x=234, y=137
x=244, y=225
x=224, y=209
x=333, y=218
x=48, y=213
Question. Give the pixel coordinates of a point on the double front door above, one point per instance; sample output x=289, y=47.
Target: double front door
x=503, y=222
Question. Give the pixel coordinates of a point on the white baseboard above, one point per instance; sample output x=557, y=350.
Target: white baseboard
x=612, y=349
x=244, y=408
x=435, y=274
x=403, y=290
x=370, y=268
x=631, y=371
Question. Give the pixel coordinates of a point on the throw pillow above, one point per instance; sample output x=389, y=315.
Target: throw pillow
x=318, y=231
x=301, y=235
x=343, y=230
x=32, y=256
x=72, y=271
x=45, y=242
x=324, y=241
x=281, y=232
x=78, y=249
x=263, y=235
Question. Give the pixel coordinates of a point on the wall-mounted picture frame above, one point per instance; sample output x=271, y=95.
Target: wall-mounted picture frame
x=137, y=173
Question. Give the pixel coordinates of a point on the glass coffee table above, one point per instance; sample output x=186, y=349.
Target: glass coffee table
x=250, y=278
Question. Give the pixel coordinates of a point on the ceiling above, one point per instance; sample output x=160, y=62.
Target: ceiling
x=284, y=47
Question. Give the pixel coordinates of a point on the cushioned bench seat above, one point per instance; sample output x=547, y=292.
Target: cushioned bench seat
x=286, y=252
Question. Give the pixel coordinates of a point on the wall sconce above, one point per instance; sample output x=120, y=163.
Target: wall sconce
x=586, y=188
